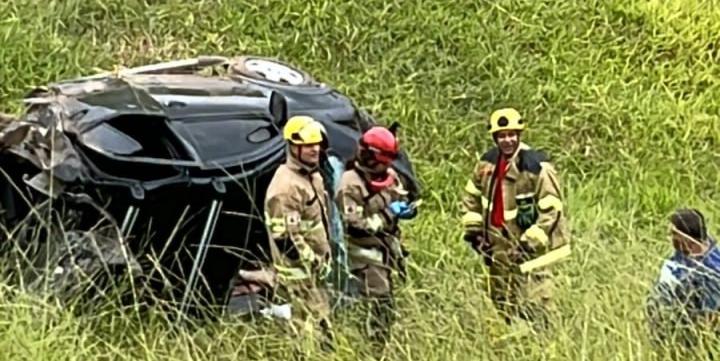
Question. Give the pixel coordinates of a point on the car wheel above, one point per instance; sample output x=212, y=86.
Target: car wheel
x=271, y=71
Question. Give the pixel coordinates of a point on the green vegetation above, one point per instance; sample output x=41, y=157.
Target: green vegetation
x=623, y=94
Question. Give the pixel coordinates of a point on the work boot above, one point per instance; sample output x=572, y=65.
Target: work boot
x=382, y=319
x=538, y=317
x=327, y=337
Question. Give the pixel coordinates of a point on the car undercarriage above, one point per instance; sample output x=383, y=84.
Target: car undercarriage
x=162, y=169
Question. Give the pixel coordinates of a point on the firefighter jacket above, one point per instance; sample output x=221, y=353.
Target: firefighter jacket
x=296, y=214
x=370, y=227
x=533, y=211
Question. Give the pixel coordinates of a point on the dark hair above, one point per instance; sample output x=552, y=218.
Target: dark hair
x=691, y=222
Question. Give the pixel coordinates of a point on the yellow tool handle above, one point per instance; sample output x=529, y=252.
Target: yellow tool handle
x=546, y=259
x=416, y=204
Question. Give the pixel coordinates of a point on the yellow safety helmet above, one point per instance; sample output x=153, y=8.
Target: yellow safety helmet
x=303, y=130
x=506, y=119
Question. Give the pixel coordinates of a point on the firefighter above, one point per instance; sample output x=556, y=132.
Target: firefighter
x=372, y=200
x=514, y=217
x=296, y=214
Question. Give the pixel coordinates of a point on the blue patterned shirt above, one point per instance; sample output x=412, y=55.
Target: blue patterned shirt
x=687, y=290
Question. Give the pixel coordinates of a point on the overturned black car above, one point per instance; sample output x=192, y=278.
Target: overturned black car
x=174, y=156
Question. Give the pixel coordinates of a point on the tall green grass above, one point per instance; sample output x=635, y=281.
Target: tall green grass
x=623, y=94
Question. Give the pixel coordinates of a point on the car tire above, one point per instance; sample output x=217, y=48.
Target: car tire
x=271, y=72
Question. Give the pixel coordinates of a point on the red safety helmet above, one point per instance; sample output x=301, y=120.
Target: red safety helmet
x=380, y=144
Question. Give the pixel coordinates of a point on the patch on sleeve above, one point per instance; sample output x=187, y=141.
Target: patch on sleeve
x=292, y=221
x=352, y=208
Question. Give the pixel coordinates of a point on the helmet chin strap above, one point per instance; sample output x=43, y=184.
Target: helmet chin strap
x=298, y=156
x=377, y=181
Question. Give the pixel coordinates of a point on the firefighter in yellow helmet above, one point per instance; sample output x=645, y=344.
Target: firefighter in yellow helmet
x=296, y=214
x=514, y=217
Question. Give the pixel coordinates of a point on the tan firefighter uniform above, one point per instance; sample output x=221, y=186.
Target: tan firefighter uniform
x=297, y=218
x=372, y=200
x=371, y=230
x=533, y=233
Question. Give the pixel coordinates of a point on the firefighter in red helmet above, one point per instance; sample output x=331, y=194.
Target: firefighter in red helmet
x=373, y=199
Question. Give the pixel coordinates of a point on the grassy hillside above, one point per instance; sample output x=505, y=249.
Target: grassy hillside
x=623, y=94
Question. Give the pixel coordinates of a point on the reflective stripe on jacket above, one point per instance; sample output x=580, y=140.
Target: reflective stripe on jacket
x=296, y=214
x=369, y=223
x=532, y=197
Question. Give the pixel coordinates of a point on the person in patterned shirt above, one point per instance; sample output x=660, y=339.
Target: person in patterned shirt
x=686, y=295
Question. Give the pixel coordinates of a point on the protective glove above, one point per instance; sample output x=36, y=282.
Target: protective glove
x=402, y=210
x=472, y=238
x=325, y=269
x=323, y=266
x=534, y=240
x=480, y=245
x=375, y=223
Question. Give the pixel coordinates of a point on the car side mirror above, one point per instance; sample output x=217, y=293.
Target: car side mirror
x=278, y=109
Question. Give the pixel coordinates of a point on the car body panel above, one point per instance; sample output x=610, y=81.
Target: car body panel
x=164, y=143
